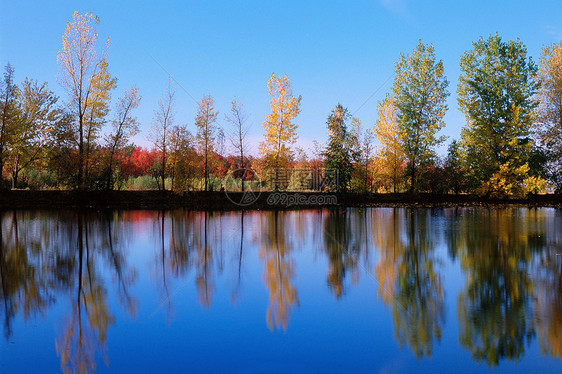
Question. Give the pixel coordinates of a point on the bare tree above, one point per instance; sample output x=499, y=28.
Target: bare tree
x=367, y=150
x=237, y=136
x=161, y=127
x=124, y=127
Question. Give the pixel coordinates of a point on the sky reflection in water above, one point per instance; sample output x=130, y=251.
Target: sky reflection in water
x=353, y=290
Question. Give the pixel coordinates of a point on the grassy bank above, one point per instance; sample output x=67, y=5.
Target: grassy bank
x=18, y=199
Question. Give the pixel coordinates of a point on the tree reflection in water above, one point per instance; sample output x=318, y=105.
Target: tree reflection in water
x=235, y=295
x=496, y=247
x=510, y=258
x=193, y=238
x=548, y=274
x=205, y=257
x=408, y=277
x=279, y=268
x=64, y=253
x=24, y=285
x=342, y=246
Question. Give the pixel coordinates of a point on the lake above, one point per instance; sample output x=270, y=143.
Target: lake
x=366, y=290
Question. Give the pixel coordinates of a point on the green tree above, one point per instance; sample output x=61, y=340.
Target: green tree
x=36, y=116
x=60, y=153
x=495, y=92
x=420, y=91
x=454, y=168
x=339, y=154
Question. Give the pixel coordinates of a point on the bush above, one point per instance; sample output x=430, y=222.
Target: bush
x=144, y=182
x=512, y=181
x=37, y=179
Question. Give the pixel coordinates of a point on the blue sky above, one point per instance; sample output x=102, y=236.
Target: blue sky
x=332, y=51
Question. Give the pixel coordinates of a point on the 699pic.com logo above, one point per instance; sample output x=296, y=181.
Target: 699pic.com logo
x=252, y=186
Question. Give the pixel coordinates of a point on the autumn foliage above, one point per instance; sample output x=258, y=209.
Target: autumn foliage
x=510, y=146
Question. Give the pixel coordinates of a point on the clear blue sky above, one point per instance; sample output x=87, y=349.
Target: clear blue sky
x=332, y=51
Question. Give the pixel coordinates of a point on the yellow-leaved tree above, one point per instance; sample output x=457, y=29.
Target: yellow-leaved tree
x=390, y=155
x=84, y=75
x=280, y=130
x=205, y=137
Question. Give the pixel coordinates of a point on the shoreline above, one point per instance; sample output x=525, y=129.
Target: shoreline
x=26, y=199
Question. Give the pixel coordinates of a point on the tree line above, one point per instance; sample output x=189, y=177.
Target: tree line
x=510, y=145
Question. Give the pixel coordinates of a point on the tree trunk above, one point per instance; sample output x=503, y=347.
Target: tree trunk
x=163, y=169
x=206, y=172
x=81, y=155
x=15, y=178
x=413, y=176
x=1, y=168
x=5, y=104
x=243, y=167
x=205, y=169
x=109, y=184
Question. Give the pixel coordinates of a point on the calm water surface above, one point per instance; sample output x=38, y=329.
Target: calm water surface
x=381, y=290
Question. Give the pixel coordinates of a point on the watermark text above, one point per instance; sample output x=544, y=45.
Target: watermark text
x=293, y=199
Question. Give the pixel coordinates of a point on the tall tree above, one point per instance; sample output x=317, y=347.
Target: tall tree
x=161, y=127
x=420, y=91
x=495, y=92
x=84, y=75
x=124, y=127
x=205, y=122
x=550, y=107
x=8, y=108
x=280, y=130
x=339, y=153
x=36, y=116
x=96, y=117
x=237, y=136
x=390, y=154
